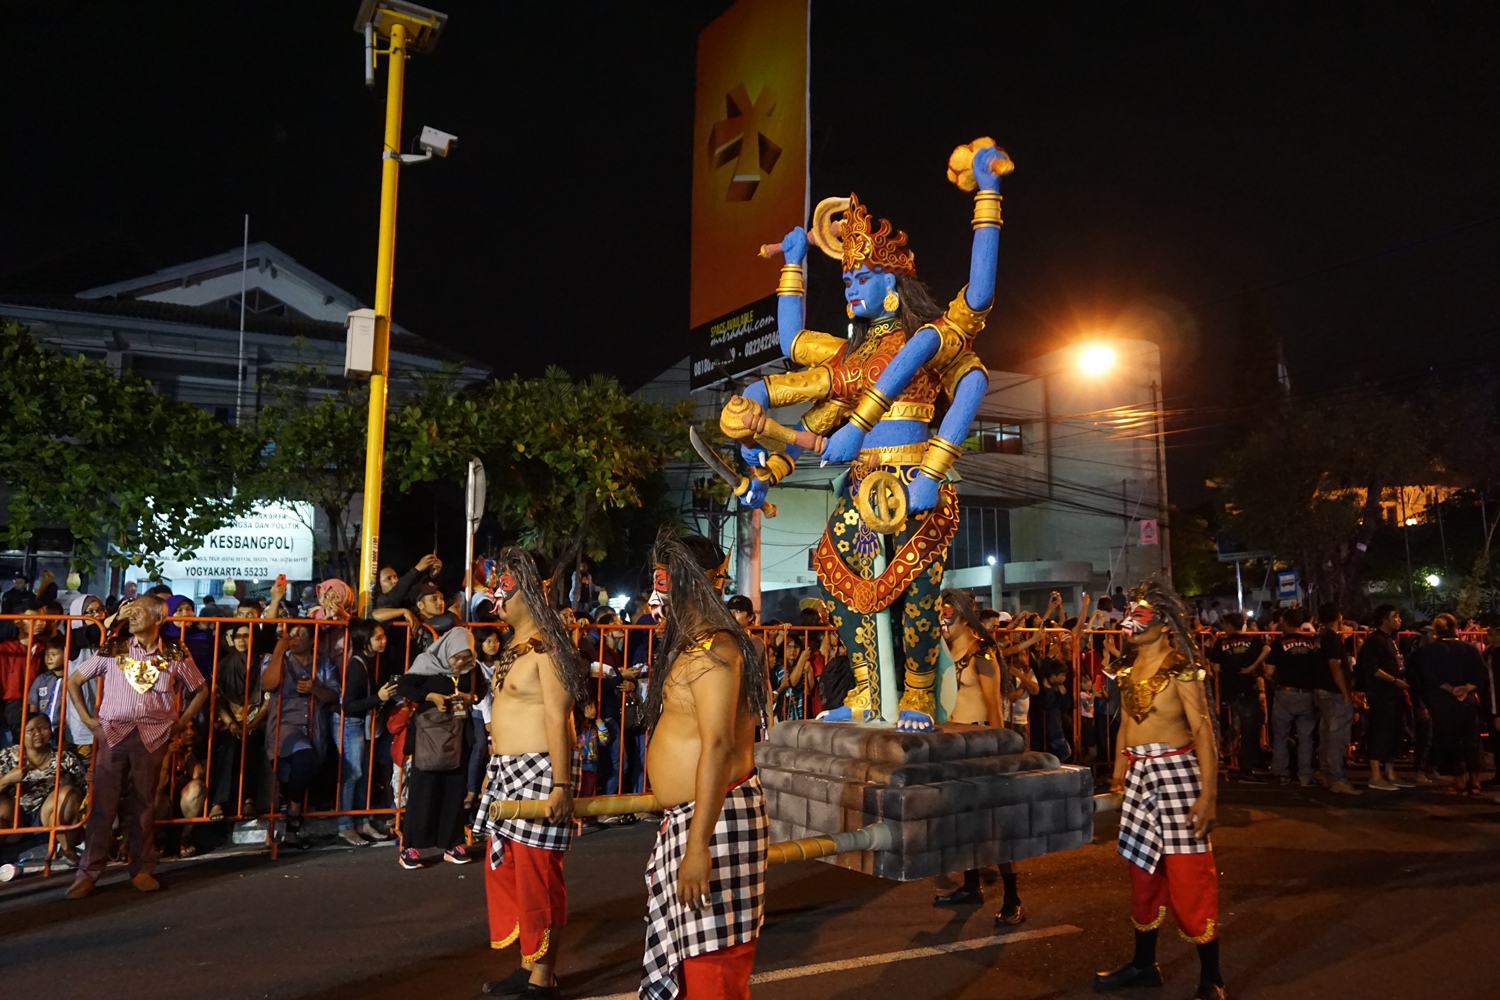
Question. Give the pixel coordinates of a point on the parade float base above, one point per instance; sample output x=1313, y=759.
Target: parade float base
x=953, y=800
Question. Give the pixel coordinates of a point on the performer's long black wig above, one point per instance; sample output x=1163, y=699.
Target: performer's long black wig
x=967, y=612
x=695, y=613
x=917, y=310
x=570, y=666
x=1164, y=600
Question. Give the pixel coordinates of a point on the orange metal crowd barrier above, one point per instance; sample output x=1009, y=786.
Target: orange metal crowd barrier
x=194, y=765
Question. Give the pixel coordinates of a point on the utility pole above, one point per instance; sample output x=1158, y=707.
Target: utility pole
x=1164, y=535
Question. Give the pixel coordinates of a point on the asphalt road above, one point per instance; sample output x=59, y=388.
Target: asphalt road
x=1374, y=897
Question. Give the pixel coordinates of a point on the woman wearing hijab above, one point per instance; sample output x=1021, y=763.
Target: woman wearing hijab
x=335, y=605
x=86, y=636
x=445, y=686
x=84, y=639
x=239, y=711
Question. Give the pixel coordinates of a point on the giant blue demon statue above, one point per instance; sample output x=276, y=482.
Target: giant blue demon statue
x=874, y=396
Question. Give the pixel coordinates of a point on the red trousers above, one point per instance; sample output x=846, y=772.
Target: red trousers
x=1185, y=882
x=527, y=898
x=719, y=975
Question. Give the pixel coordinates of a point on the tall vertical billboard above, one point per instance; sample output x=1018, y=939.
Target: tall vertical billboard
x=749, y=179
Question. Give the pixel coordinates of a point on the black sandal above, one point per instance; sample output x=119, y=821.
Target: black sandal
x=511, y=986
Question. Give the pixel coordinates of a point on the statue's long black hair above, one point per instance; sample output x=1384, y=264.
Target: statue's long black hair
x=695, y=613
x=917, y=310
x=570, y=667
x=968, y=612
x=1165, y=601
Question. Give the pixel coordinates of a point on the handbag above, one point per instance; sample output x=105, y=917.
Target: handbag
x=631, y=713
x=438, y=740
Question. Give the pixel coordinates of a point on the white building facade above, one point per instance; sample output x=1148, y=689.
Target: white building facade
x=180, y=327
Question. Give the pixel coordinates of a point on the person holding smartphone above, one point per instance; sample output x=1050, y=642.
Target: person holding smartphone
x=305, y=685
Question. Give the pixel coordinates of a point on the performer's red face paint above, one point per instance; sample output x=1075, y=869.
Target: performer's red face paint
x=1139, y=618
x=661, y=586
x=949, y=614
x=505, y=588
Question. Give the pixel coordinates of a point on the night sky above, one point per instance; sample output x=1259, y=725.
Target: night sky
x=1338, y=161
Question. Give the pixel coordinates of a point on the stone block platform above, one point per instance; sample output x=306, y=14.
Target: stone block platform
x=955, y=799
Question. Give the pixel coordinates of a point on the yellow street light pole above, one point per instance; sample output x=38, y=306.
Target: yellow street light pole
x=407, y=27
x=390, y=175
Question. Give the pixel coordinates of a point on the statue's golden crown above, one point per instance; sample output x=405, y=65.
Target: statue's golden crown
x=874, y=248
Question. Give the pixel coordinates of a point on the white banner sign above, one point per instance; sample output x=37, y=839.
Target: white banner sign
x=271, y=540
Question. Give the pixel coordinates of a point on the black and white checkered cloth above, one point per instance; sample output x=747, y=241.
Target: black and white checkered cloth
x=1160, y=789
x=737, y=888
x=521, y=776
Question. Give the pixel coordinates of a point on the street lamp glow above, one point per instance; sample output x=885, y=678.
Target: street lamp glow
x=1411, y=522
x=1096, y=359
x=991, y=560
x=1433, y=580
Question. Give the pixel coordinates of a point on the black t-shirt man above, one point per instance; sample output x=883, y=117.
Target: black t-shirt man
x=1296, y=657
x=1233, y=652
x=1378, y=655
x=1333, y=649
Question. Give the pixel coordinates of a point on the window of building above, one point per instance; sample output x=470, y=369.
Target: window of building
x=983, y=535
x=995, y=438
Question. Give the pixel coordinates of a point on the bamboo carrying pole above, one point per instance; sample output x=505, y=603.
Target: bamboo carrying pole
x=875, y=837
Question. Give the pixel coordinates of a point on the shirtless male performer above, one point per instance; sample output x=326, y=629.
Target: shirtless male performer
x=976, y=662
x=1167, y=768
x=706, y=881
x=532, y=742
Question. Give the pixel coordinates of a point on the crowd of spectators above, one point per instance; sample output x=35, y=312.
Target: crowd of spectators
x=323, y=716
x=1336, y=692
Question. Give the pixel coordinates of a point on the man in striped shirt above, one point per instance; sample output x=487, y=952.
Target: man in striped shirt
x=151, y=691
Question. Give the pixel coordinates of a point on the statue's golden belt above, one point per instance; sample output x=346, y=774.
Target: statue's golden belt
x=895, y=454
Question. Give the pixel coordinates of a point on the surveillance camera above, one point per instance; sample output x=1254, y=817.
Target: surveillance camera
x=436, y=141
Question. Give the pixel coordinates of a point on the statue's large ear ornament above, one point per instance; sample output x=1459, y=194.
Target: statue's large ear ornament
x=825, y=232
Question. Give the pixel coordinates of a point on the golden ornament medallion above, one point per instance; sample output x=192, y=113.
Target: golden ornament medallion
x=881, y=501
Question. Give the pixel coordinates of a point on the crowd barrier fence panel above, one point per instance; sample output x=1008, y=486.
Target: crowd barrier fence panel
x=330, y=639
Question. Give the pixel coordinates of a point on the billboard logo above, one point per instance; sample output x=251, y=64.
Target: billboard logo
x=741, y=136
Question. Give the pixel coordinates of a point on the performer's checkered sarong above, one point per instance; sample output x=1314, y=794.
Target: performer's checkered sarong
x=1160, y=788
x=736, y=888
x=521, y=776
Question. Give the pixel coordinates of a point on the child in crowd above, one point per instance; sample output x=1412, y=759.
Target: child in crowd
x=593, y=735
x=49, y=694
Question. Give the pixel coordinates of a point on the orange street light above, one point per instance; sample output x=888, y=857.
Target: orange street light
x=1096, y=359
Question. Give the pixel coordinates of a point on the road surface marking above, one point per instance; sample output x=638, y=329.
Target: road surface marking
x=891, y=957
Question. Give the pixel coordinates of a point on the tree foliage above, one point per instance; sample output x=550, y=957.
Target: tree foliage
x=560, y=455
x=130, y=472
x=133, y=473
x=1307, y=482
x=1196, y=569
x=311, y=443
